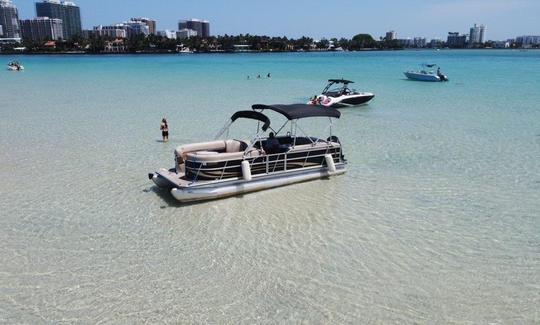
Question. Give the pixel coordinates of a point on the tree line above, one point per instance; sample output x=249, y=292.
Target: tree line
x=222, y=43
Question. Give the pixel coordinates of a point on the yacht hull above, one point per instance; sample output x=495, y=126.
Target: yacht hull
x=424, y=77
x=224, y=189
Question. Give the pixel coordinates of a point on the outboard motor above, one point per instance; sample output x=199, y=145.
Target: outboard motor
x=442, y=77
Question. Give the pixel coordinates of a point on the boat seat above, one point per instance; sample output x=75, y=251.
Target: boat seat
x=285, y=140
x=181, y=153
x=235, y=146
x=205, y=153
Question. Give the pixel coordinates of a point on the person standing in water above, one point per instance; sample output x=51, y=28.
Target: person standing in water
x=164, y=127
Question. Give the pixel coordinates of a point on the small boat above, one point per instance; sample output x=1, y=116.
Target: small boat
x=15, y=66
x=184, y=50
x=341, y=96
x=229, y=167
x=424, y=74
x=333, y=48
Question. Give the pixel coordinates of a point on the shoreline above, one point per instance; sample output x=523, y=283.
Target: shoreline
x=246, y=52
x=180, y=53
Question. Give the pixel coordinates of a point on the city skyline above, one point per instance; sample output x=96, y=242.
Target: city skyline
x=433, y=19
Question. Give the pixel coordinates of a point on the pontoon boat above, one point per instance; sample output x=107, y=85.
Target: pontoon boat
x=427, y=75
x=223, y=168
x=341, y=96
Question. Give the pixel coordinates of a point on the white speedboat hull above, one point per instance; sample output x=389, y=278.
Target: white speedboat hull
x=346, y=100
x=12, y=68
x=221, y=190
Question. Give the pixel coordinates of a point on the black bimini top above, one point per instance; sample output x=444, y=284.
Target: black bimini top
x=254, y=116
x=340, y=81
x=298, y=111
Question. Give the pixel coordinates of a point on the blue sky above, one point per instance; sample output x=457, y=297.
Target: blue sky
x=318, y=18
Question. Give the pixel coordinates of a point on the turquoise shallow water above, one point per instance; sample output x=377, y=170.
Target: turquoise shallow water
x=437, y=220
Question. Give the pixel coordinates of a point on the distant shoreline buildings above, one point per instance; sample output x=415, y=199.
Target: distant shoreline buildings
x=477, y=35
x=201, y=27
x=475, y=39
x=42, y=28
x=150, y=23
x=59, y=21
x=9, y=21
x=68, y=12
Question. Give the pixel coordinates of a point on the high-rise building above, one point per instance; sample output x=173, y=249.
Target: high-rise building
x=202, y=27
x=148, y=22
x=390, y=36
x=69, y=12
x=9, y=20
x=477, y=34
x=435, y=43
x=482, y=34
x=137, y=28
x=170, y=34
x=528, y=40
x=455, y=40
x=419, y=42
x=42, y=29
x=124, y=30
x=112, y=31
x=185, y=33
x=406, y=42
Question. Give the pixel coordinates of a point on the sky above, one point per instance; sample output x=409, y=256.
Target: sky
x=322, y=18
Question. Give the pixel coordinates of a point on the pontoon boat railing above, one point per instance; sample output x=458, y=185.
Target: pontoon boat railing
x=267, y=161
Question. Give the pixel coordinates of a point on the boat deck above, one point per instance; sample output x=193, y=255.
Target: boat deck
x=174, y=179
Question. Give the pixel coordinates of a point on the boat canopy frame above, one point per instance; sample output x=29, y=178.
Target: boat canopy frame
x=252, y=115
x=300, y=111
x=292, y=112
x=295, y=112
x=332, y=82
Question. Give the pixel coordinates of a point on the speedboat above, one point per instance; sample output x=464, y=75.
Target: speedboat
x=341, y=96
x=229, y=167
x=424, y=74
x=15, y=66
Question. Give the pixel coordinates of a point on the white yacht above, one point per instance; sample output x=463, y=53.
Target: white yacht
x=341, y=95
x=272, y=158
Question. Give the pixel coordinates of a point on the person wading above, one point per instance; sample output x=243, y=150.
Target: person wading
x=164, y=127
